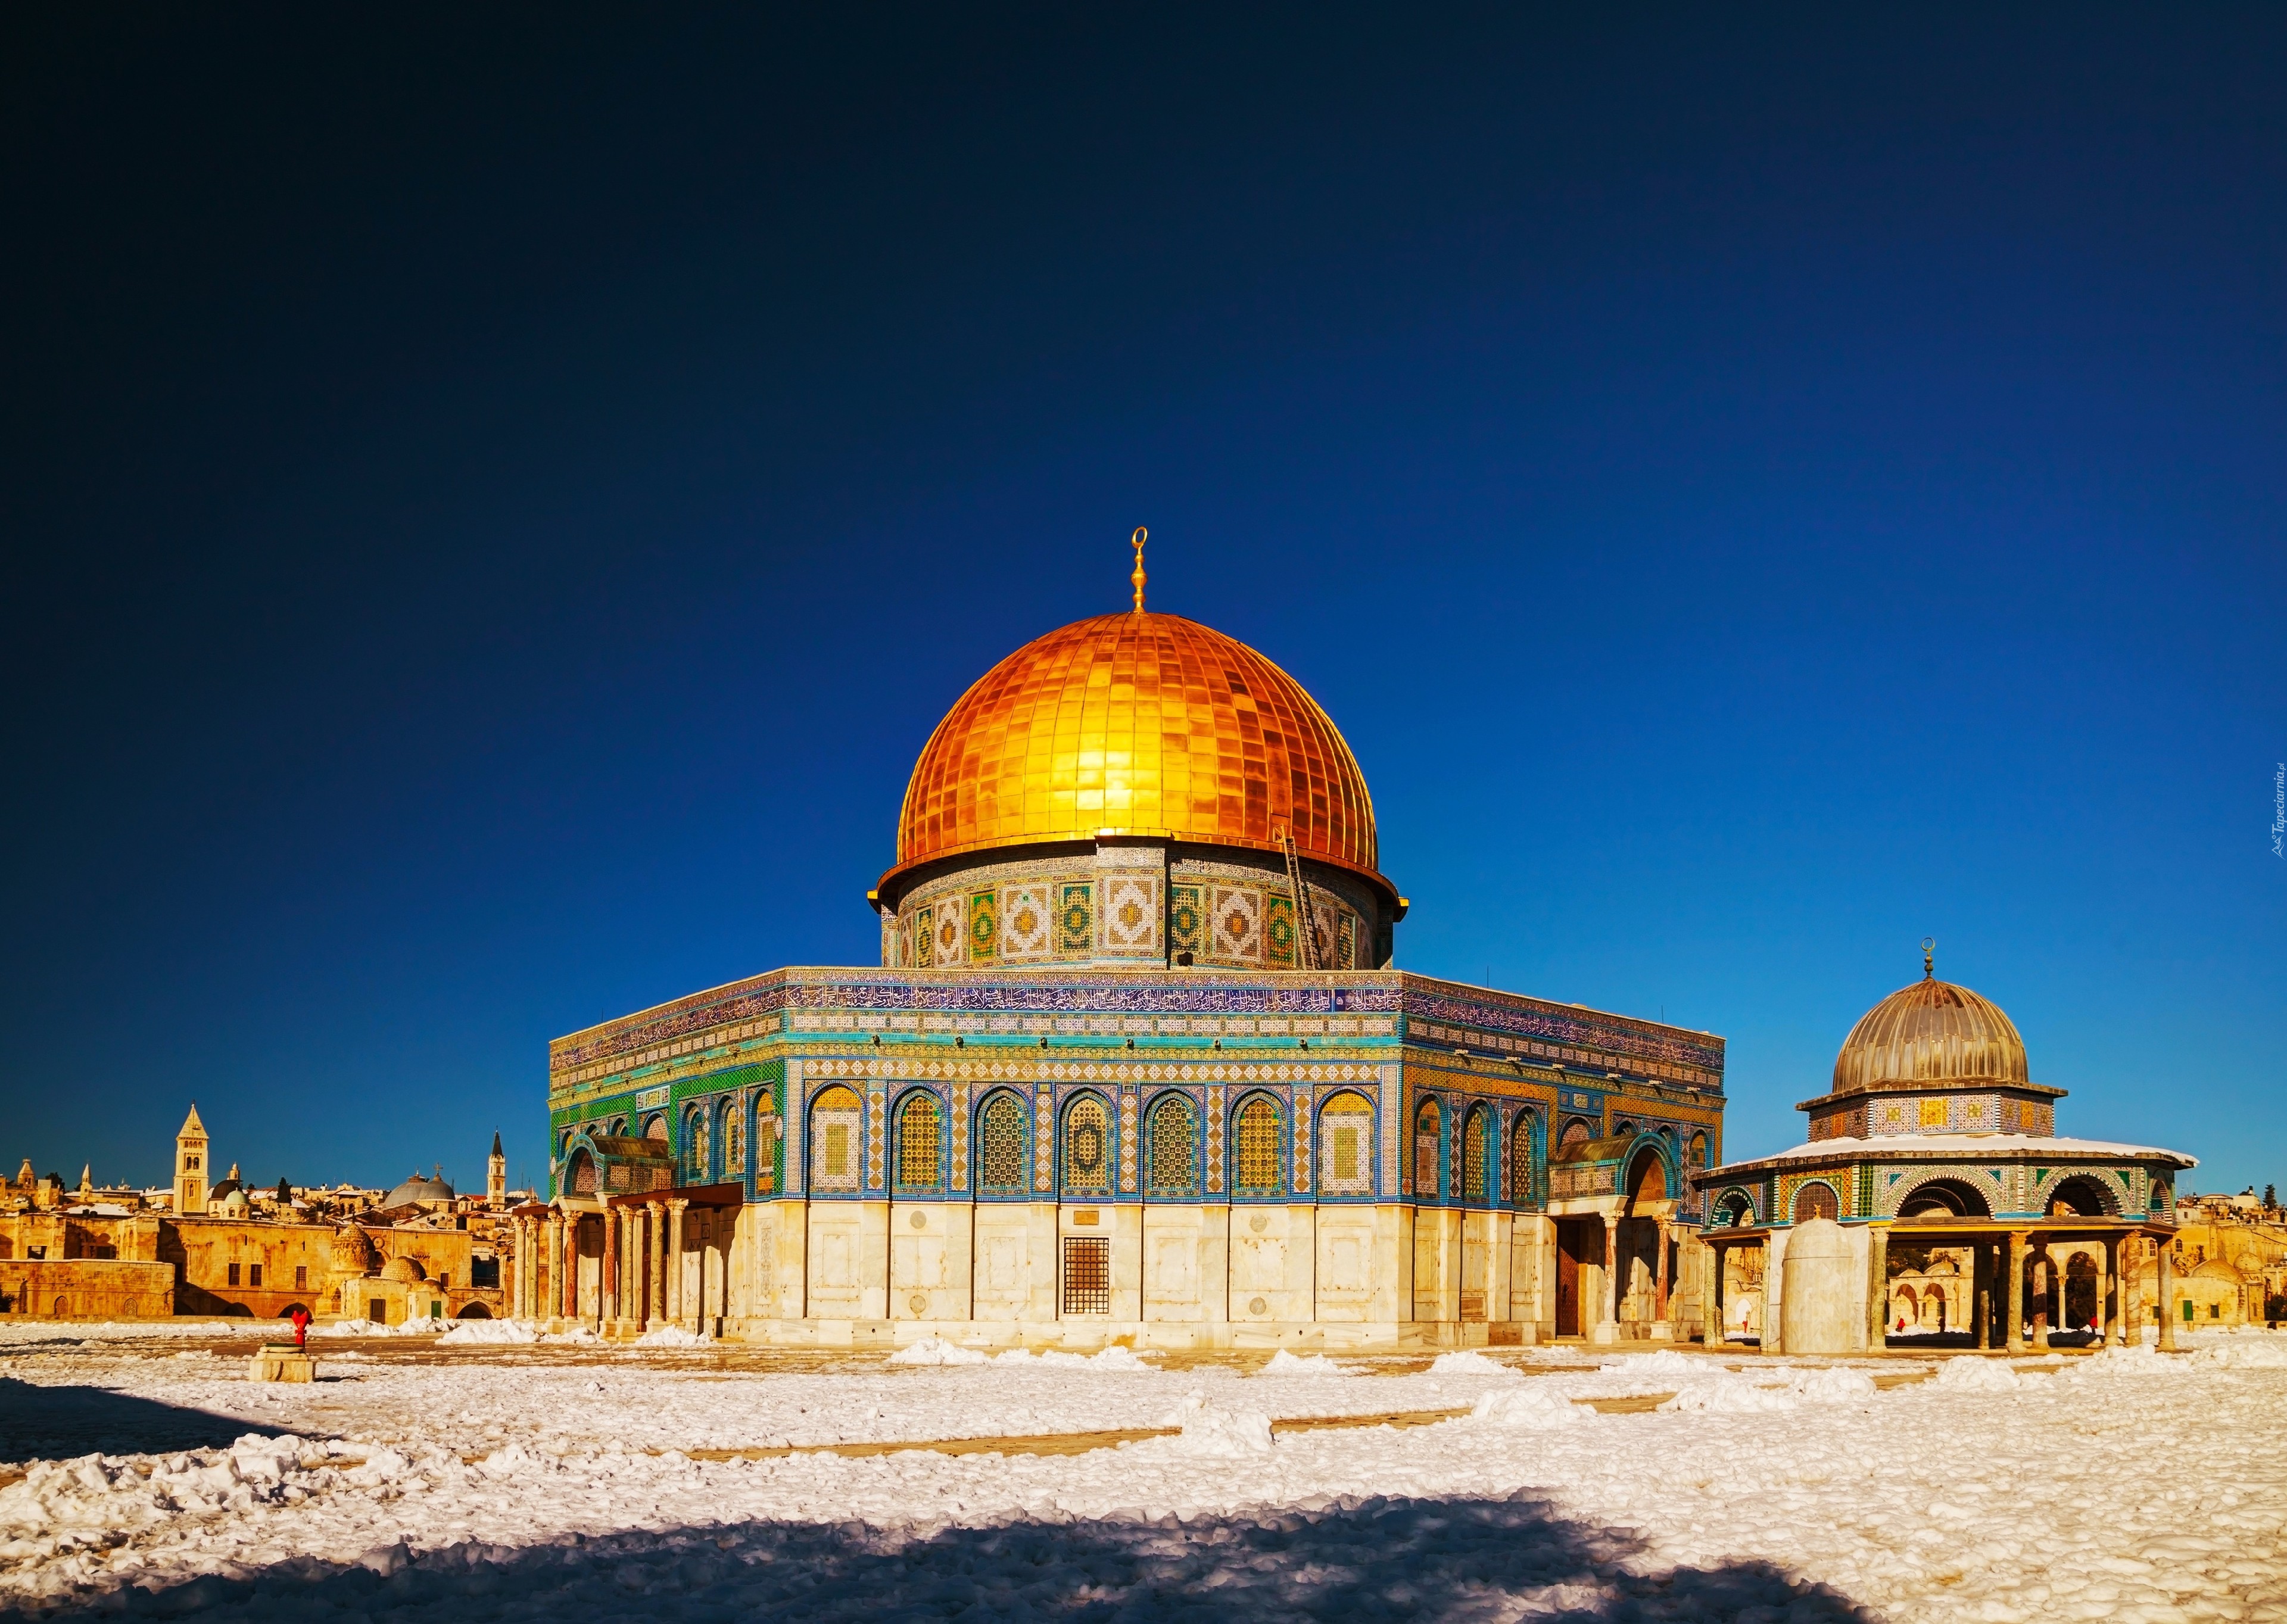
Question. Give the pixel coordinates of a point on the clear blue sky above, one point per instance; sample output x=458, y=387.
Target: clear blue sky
x=494, y=505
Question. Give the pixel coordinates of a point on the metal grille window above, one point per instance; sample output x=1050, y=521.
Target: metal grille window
x=1174, y=1138
x=1258, y=1148
x=1426, y=1181
x=1346, y=1146
x=834, y=1142
x=1001, y=1146
x=1088, y=1138
x=734, y=1140
x=1520, y=1158
x=695, y=1146
x=918, y=1139
x=1474, y=1161
x=1088, y=1274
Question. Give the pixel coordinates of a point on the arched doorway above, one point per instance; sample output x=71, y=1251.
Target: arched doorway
x=1943, y=1198
x=2081, y=1308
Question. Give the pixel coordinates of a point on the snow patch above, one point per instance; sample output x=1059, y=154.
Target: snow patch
x=1727, y=1395
x=935, y=1351
x=1214, y=1433
x=1285, y=1364
x=469, y=1333
x=672, y=1336
x=1971, y=1375
x=1532, y=1405
x=1467, y=1362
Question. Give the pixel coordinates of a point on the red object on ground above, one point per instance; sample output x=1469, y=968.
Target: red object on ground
x=301, y=1326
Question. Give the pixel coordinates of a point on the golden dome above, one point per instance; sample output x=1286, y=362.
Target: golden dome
x=1931, y=1032
x=1137, y=724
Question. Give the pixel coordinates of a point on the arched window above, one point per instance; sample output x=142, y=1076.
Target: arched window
x=1576, y=1132
x=1256, y=1133
x=1001, y=1146
x=1520, y=1159
x=1476, y=1154
x=1087, y=1147
x=581, y=1175
x=656, y=1129
x=766, y=1146
x=1346, y=1146
x=694, y=1147
x=1427, y=1161
x=834, y=1140
x=1699, y=1149
x=919, y=1140
x=1174, y=1128
x=1734, y=1210
x=1816, y=1200
x=734, y=1139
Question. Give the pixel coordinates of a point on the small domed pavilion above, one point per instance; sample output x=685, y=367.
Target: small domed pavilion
x=1938, y=1155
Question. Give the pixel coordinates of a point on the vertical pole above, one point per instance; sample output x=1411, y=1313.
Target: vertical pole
x=2114, y=1304
x=2167, y=1305
x=607, y=1299
x=2016, y=1298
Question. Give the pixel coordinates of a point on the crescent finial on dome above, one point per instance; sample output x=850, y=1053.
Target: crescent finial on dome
x=1929, y=957
x=1136, y=541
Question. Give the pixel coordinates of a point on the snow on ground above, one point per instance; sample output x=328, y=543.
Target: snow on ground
x=509, y=1481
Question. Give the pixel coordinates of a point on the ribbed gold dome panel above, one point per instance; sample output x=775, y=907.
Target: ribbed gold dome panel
x=1138, y=723
x=1931, y=1032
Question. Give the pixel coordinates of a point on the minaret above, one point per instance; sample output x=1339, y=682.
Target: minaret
x=86, y=1180
x=496, y=1176
x=190, y=1166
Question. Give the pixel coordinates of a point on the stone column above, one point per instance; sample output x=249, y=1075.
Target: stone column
x=1877, y=1266
x=1659, y=1273
x=607, y=1298
x=554, y=1303
x=2114, y=1304
x=2045, y=1270
x=2016, y=1303
x=676, y=1205
x=1711, y=1298
x=2167, y=1305
x=1608, y=1324
x=658, y=1302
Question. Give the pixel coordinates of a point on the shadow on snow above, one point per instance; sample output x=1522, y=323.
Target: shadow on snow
x=1347, y=1560
x=51, y=1423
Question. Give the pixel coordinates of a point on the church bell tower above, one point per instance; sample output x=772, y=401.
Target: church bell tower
x=496, y=1176
x=190, y=1166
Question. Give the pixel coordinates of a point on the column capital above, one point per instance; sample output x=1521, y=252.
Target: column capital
x=678, y=1204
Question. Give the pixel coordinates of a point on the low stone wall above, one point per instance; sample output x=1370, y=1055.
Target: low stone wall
x=87, y=1288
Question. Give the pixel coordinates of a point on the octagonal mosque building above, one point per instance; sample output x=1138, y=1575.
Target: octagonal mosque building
x=1135, y=1064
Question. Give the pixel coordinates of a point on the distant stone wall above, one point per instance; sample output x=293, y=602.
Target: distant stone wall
x=86, y=1288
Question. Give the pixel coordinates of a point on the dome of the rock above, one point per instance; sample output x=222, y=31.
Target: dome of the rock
x=1136, y=724
x=1931, y=1032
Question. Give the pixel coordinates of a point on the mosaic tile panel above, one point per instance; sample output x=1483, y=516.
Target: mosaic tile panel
x=1186, y=920
x=1214, y=1139
x=1131, y=913
x=1235, y=924
x=1025, y=921
x=1076, y=918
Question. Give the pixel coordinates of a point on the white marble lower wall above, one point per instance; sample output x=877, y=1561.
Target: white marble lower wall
x=1204, y=1275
